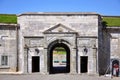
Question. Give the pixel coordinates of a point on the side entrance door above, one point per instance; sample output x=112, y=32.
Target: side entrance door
x=84, y=64
x=35, y=64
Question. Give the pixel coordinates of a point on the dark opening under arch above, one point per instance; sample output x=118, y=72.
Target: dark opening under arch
x=115, y=67
x=58, y=69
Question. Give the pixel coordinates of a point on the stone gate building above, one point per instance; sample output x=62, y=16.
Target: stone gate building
x=27, y=47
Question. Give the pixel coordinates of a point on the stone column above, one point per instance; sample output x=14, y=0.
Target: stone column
x=45, y=55
x=95, y=60
x=45, y=61
x=73, y=62
x=25, y=60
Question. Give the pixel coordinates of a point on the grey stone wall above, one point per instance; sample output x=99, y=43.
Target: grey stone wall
x=8, y=47
x=91, y=45
x=35, y=24
x=103, y=49
x=76, y=30
x=31, y=45
x=114, y=42
x=104, y=52
x=47, y=25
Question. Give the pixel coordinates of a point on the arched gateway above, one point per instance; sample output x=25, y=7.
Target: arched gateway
x=60, y=66
x=85, y=45
x=75, y=35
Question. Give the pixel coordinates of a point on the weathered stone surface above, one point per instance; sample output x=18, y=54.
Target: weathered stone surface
x=67, y=30
x=8, y=47
x=81, y=34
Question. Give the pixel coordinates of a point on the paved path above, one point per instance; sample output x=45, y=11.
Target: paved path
x=54, y=77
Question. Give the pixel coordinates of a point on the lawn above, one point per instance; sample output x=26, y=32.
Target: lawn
x=12, y=18
x=59, y=50
x=112, y=21
x=8, y=18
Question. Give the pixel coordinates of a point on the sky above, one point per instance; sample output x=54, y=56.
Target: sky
x=103, y=7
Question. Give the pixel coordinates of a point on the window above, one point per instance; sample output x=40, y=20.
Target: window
x=4, y=60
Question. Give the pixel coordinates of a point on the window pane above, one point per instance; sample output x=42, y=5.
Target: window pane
x=4, y=60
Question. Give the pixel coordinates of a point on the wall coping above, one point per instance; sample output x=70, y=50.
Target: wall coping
x=113, y=29
x=9, y=25
x=59, y=13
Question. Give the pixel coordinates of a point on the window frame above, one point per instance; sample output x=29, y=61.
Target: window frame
x=6, y=59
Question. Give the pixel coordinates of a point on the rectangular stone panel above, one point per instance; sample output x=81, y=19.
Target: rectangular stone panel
x=84, y=42
x=33, y=41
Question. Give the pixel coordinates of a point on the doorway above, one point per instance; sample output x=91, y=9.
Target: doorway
x=35, y=64
x=115, y=67
x=84, y=64
x=59, y=58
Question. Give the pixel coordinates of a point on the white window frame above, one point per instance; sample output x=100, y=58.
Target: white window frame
x=4, y=64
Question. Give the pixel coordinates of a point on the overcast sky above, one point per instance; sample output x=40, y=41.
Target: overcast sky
x=104, y=7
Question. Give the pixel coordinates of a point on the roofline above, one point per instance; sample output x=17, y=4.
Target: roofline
x=6, y=14
x=109, y=16
x=58, y=13
x=9, y=25
x=60, y=32
x=113, y=29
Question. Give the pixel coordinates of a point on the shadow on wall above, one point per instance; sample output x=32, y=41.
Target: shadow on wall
x=103, y=49
x=104, y=24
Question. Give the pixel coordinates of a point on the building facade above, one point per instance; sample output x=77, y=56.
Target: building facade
x=28, y=46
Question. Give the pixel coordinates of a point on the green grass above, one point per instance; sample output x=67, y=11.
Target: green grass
x=59, y=50
x=112, y=21
x=8, y=18
x=12, y=18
